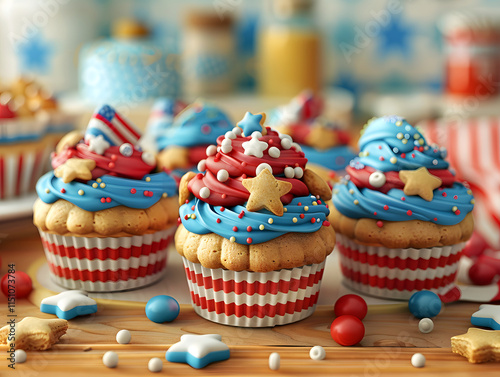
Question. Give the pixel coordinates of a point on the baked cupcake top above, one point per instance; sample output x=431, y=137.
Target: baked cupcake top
x=254, y=187
x=399, y=177
x=105, y=168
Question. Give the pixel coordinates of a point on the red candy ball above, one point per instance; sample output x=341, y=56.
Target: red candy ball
x=475, y=246
x=21, y=284
x=351, y=304
x=481, y=273
x=347, y=330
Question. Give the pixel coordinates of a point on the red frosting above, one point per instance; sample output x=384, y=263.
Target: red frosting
x=241, y=166
x=6, y=112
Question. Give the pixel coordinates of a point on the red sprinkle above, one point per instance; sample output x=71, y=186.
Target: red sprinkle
x=192, y=207
x=457, y=212
x=111, y=165
x=218, y=220
x=133, y=191
x=249, y=240
x=63, y=190
x=313, y=220
x=222, y=209
x=187, y=201
x=108, y=200
x=319, y=201
x=386, y=207
x=244, y=176
x=381, y=158
x=302, y=216
x=186, y=217
x=242, y=213
x=444, y=194
x=379, y=147
x=455, y=197
x=403, y=155
x=223, y=196
x=235, y=228
x=413, y=155
x=415, y=148
x=199, y=176
x=114, y=157
x=296, y=164
x=409, y=212
x=243, y=164
x=270, y=141
x=435, y=219
x=299, y=203
x=179, y=221
x=326, y=223
x=420, y=149
x=403, y=198
x=103, y=200
x=249, y=228
x=380, y=224
x=374, y=213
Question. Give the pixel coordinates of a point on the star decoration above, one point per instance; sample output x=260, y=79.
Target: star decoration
x=75, y=168
x=419, y=182
x=34, y=333
x=198, y=350
x=396, y=37
x=34, y=54
x=69, y=140
x=265, y=192
x=254, y=147
x=98, y=144
x=487, y=316
x=68, y=305
x=478, y=346
x=321, y=137
x=251, y=123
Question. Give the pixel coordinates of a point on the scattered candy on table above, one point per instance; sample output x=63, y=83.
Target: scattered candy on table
x=110, y=359
x=347, y=330
x=155, y=365
x=20, y=356
x=21, y=281
x=274, y=361
x=162, y=309
x=481, y=273
x=68, y=305
x=426, y=325
x=351, y=304
x=424, y=304
x=487, y=316
x=317, y=353
x=198, y=350
x=418, y=360
x=123, y=337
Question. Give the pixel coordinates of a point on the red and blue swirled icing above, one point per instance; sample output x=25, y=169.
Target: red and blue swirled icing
x=373, y=189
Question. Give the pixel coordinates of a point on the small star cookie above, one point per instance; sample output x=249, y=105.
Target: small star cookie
x=34, y=333
x=419, y=182
x=265, y=192
x=478, y=346
x=69, y=140
x=75, y=168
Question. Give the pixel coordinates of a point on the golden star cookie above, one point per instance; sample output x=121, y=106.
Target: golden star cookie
x=478, y=346
x=419, y=182
x=75, y=168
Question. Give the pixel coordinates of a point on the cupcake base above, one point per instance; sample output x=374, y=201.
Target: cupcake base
x=254, y=299
x=108, y=264
x=397, y=273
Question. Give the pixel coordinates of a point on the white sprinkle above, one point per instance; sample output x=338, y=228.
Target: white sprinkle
x=377, y=179
x=155, y=365
x=227, y=142
x=262, y=167
x=126, y=149
x=285, y=136
x=226, y=148
x=222, y=175
x=434, y=162
x=20, y=356
x=230, y=135
x=202, y=165
x=418, y=360
x=211, y=150
x=256, y=134
x=297, y=147
x=123, y=337
x=274, y=152
x=148, y=158
x=286, y=143
x=237, y=131
x=274, y=361
x=204, y=192
x=317, y=353
x=395, y=150
x=110, y=359
x=218, y=149
x=426, y=325
x=298, y=172
x=289, y=172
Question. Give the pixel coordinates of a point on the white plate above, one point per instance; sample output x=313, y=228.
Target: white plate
x=17, y=208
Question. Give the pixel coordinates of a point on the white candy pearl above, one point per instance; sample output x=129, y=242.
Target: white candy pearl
x=286, y=143
x=126, y=149
x=418, y=360
x=148, y=158
x=155, y=365
x=377, y=179
x=110, y=359
x=262, y=167
x=230, y=135
x=426, y=325
x=202, y=165
x=211, y=150
x=289, y=172
x=20, y=356
x=317, y=353
x=226, y=148
x=297, y=147
x=274, y=361
x=256, y=134
x=274, y=152
x=285, y=136
x=123, y=337
x=237, y=131
x=298, y=172
x=222, y=175
x=204, y=192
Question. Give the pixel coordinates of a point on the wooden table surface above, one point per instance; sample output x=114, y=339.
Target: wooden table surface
x=391, y=338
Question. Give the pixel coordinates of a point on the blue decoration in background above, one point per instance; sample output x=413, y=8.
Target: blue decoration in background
x=396, y=37
x=341, y=33
x=35, y=54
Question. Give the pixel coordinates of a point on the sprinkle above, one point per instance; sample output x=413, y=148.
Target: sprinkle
x=222, y=209
x=294, y=220
x=243, y=163
x=274, y=152
x=454, y=209
x=148, y=179
x=315, y=203
x=416, y=136
x=218, y=220
x=249, y=240
x=393, y=160
x=186, y=201
x=407, y=136
x=299, y=204
x=192, y=207
x=204, y=192
x=306, y=208
x=356, y=201
x=164, y=195
x=222, y=175
x=63, y=191
x=421, y=141
x=434, y=162
x=313, y=220
x=186, y=217
x=413, y=155
x=319, y=201
x=108, y=200
x=95, y=185
x=193, y=216
x=270, y=220
x=81, y=192
x=351, y=191
x=211, y=150
x=386, y=207
x=103, y=200
x=469, y=192
x=102, y=185
x=289, y=172
x=455, y=197
x=399, y=123
x=285, y=209
x=472, y=201
x=409, y=212
x=261, y=226
x=98, y=180
x=318, y=220
x=235, y=228
x=374, y=213
x=114, y=157
x=444, y=194
x=47, y=191
x=379, y=147
x=232, y=239
x=380, y=224
x=404, y=141
x=399, y=135
x=242, y=213
x=326, y=223
x=457, y=212
x=302, y=215
x=298, y=172
x=403, y=198
x=223, y=196
x=111, y=165
x=230, y=135
x=435, y=219
x=381, y=158
x=249, y=228
x=403, y=155
x=395, y=150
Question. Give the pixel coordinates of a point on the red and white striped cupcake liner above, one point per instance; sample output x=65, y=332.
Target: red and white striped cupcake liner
x=109, y=264
x=398, y=273
x=254, y=299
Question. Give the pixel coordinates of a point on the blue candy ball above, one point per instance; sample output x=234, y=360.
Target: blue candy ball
x=424, y=304
x=162, y=309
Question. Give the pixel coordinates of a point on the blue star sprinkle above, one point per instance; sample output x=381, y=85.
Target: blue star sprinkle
x=251, y=123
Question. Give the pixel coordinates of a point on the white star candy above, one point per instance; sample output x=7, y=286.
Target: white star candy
x=487, y=316
x=64, y=303
x=198, y=350
x=254, y=147
x=98, y=144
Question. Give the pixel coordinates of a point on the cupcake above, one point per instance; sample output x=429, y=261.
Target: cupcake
x=104, y=215
x=401, y=216
x=31, y=124
x=182, y=140
x=253, y=232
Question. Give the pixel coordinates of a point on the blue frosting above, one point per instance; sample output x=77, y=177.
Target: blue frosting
x=68, y=314
x=485, y=322
x=207, y=215
x=334, y=158
x=118, y=190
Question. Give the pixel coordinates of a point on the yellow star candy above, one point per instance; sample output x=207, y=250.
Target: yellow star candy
x=419, y=182
x=75, y=168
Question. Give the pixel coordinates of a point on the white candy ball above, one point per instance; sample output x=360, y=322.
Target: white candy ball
x=123, y=337
x=202, y=165
x=222, y=175
x=289, y=172
x=426, y=325
x=126, y=149
x=274, y=152
x=20, y=356
x=211, y=150
x=298, y=172
x=317, y=353
x=226, y=148
x=230, y=135
x=286, y=143
x=274, y=361
x=285, y=136
x=237, y=131
x=418, y=360
x=226, y=142
x=256, y=134
x=262, y=167
x=297, y=147
x=110, y=359
x=155, y=365
x=204, y=192
x=377, y=179
x=148, y=158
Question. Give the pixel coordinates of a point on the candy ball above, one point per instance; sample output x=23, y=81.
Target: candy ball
x=20, y=356
x=274, y=361
x=347, y=330
x=351, y=304
x=418, y=360
x=155, y=365
x=426, y=325
x=317, y=353
x=424, y=304
x=17, y=283
x=482, y=273
x=162, y=309
x=123, y=337
x=110, y=359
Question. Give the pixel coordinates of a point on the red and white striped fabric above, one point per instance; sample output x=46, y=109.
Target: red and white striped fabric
x=474, y=152
x=254, y=299
x=108, y=264
x=398, y=273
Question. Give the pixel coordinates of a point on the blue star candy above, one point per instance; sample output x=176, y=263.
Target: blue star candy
x=34, y=54
x=251, y=123
x=396, y=36
x=198, y=350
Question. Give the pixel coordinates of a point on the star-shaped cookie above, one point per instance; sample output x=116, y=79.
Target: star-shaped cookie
x=34, y=333
x=265, y=192
x=75, y=168
x=69, y=304
x=478, y=346
x=487, y=316
x=198, y=350
x=69, y=140
x=419, y=182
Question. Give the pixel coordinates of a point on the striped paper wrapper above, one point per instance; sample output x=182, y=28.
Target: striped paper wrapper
x=109, y=264
x=397, y=273
x=254, y=299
